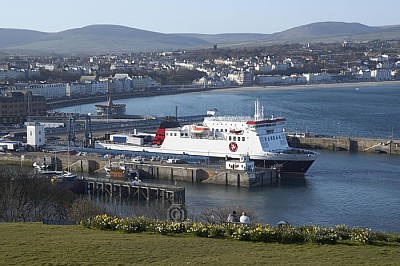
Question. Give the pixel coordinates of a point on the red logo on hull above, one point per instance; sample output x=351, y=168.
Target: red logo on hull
x=233, y=146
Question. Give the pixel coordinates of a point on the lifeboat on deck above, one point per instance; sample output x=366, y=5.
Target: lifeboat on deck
x=199, y=129
x=236, y=131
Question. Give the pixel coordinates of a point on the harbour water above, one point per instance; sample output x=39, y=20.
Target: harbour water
x=356, y=189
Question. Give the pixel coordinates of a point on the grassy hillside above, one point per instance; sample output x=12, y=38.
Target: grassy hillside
x=97, y=39
x=37, y=244
x=14, y=37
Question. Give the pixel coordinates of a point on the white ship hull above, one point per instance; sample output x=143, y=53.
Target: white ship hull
x=263, y=140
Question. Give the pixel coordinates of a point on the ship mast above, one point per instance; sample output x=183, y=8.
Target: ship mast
x=258, y=111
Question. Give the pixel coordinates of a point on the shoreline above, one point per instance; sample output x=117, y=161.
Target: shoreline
x=103, y=98
x=314, y=86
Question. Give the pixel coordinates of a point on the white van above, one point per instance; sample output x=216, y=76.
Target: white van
x=137, y=160
x=172, y=160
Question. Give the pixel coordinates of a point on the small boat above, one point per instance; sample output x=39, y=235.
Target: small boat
x=236, y=131
x=199, y=129
x=40, y=167
x=50, y=172
x=116, y=172
x=121, y=169
x=66, y=176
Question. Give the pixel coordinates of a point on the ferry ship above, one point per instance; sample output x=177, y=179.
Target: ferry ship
x=224, y=137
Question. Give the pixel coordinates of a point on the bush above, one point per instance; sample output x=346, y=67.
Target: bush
x=361, y=235
x=343, y=231
x=319, y=235
x=257, y=232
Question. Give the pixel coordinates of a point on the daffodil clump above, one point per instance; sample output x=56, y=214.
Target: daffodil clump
x=319, y=235
x=361, y=235
x=244, y=232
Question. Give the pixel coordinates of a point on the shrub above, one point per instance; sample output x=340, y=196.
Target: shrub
x=289, y=234
x=319, y=235
x=257, y=232
x=262, y=233
x=343, y=231
x=361, y=235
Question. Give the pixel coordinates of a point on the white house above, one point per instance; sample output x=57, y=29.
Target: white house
x=243, y=164
x=35, y=136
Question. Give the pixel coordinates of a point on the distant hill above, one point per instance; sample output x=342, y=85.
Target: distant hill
x=322, y=29
x=96, y=39
x=103, y=38
x=14, y=37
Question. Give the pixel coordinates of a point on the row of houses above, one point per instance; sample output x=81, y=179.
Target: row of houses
x=248, y=79
x=18, y=74
x=120, y=83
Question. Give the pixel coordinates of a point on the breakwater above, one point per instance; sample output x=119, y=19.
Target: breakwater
x=169, y=90
x=353, y=144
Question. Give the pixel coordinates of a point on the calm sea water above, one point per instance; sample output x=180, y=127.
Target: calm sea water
x=356, y=189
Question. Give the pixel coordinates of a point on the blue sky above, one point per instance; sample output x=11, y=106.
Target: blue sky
x=206, y=16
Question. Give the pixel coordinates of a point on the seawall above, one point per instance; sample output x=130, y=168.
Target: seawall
x=353, y=144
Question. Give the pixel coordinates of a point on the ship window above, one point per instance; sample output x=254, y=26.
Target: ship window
x=230, y=138
x=175, y=134
x=234, y=138
x=243, y=138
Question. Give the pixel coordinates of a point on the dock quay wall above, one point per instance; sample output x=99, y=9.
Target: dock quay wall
x=215, y=174
x=203, y=174
x=353, y=144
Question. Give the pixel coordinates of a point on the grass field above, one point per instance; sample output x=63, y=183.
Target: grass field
x=38, y=244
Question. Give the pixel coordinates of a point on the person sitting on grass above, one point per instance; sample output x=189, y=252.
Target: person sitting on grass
x=232, y=217
x=244, y=219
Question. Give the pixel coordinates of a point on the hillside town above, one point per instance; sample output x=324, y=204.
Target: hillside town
x=47, y=78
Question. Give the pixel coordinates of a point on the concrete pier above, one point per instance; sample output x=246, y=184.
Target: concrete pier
x=353, y=144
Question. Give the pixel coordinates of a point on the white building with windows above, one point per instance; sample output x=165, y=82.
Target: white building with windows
x=49, y=91
x=318, y=77
x=35, y=136
x=381, y=74
x=12, y=74
x=142, y=82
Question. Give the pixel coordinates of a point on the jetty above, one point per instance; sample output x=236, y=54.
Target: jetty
x=134, y=190
x=342, y=143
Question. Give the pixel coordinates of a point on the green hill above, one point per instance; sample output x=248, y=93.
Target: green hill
x=96, y=39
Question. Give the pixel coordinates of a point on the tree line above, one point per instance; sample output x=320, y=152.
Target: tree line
x=29, y=197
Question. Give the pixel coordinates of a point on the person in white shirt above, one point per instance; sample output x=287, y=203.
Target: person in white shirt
x=244, y=219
